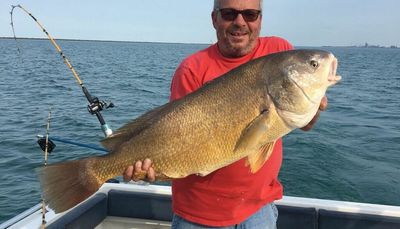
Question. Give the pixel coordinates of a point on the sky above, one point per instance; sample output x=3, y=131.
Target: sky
x=302, y=22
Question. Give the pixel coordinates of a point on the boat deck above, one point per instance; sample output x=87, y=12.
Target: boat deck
x=113, y=222
x=149, y=206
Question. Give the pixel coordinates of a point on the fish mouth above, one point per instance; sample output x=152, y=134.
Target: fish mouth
x=332, y=77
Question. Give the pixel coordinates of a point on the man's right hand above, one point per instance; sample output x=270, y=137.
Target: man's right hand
x=140, y=167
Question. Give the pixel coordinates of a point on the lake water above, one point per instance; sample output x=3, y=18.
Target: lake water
x=352, y=154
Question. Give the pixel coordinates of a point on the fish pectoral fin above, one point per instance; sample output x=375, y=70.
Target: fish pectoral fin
x=255, y=142
x=257, y=160
x=255, y=135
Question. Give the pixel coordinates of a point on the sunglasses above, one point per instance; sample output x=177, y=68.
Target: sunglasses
x=249, y=15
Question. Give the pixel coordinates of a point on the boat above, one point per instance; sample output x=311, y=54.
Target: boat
x=144, y=205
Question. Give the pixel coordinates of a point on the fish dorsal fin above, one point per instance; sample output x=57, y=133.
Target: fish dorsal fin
x=126, y=132
x=257, y=160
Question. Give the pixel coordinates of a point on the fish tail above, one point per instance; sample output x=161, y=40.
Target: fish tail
x=66, y=184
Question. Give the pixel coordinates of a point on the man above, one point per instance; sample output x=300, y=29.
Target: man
x=231, y=197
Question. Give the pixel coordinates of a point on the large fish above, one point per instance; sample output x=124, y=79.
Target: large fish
x=240, y=114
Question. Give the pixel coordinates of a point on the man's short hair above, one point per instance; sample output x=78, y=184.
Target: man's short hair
x=216, y=4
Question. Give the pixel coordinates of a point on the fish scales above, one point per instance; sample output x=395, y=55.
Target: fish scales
x=203, y=143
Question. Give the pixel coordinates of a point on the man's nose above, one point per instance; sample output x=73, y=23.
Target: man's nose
x=239, y=20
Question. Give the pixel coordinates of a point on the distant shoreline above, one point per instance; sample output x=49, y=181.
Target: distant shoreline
x=369, y=47
x=163, y=42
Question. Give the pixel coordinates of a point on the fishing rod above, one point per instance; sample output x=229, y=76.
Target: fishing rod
x=47, y=148
x=95, y=104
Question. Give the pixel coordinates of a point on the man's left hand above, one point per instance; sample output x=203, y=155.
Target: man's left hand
x=322, y=107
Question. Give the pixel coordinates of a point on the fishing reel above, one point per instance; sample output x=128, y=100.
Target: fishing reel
x=42, y=143
x=94, y=108
x=97, y=105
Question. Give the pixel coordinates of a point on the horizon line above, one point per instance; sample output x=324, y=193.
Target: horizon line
x=188, y=43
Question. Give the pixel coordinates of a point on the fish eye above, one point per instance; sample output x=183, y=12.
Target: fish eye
x=314, y=63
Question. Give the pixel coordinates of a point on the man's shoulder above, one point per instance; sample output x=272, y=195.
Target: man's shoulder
x=274, y=40
x=200, y=55
x=188, y=75
x=198, y=59
x=274, y=43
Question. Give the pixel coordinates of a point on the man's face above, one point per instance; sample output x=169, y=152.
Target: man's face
x=237, y=37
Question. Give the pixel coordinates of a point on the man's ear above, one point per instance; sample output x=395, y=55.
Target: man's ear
x=214, y=18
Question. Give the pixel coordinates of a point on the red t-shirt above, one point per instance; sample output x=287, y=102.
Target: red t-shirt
x=231, y=194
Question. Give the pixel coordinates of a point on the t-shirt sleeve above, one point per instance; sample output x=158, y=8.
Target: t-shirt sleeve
x=183, y=82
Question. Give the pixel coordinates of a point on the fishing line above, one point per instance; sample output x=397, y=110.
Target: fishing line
x=95, y=105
